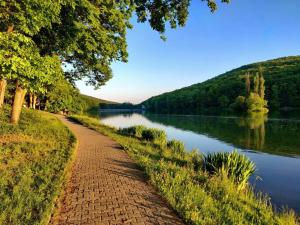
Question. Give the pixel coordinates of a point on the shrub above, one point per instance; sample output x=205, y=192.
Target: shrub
x=134, y=131
x=176, y=146
x=155, y=135
x=236, y=166
x=196, y=160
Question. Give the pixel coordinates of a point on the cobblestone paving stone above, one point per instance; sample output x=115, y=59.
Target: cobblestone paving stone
x=106, y=187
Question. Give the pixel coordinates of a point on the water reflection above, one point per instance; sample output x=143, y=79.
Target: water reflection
x=254, y=131
x=257, y=132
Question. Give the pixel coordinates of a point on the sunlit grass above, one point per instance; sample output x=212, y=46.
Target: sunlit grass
x=234, y=165
x=33, y=160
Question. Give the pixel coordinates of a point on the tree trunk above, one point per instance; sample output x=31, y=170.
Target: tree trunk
x=46, y=103
x=3, y=84
x=17, y=105
x=10, y=29
x=34, y=101
x=30, y=100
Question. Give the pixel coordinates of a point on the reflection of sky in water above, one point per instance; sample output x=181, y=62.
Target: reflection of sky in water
x=280, y=174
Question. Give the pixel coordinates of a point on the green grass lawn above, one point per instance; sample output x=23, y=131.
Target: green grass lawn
x=198, y=197
x=34, y=157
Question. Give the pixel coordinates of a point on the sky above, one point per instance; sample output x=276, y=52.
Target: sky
x=242, y=32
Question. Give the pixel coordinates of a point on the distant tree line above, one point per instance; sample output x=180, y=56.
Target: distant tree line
x=281, y=89
x=125, y=105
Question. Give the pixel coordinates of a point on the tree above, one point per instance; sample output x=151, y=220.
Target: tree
x=17, y=56
x=239, y=104
x=275, y=101
x=256, y=83
x=261, y=84
x=223, y=101
x=256, y=104
x=63, y=96
x=247, y=83
x=48, y=72
x=92, y=34
x=24, y=18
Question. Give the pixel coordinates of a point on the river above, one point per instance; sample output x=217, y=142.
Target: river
x=273, y=144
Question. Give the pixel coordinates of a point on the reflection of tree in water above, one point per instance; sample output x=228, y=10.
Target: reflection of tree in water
x=255, y=132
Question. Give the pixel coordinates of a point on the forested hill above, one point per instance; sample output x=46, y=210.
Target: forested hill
x=282, y=81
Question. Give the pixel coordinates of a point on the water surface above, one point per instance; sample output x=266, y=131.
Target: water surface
x=273, y=144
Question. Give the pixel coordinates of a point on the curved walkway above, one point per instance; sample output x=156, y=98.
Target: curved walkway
x=106, y=187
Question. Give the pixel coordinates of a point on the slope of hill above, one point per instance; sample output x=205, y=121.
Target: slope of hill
x=91, y=104
x=282, y=77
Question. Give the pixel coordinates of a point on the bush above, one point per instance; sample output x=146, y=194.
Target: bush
x=155, y=135
x=196, y=160
x=135, y=131
x=239, y=104
x=176, y=146
x=236, y=166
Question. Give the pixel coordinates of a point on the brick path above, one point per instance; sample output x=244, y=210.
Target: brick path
x=106, y=187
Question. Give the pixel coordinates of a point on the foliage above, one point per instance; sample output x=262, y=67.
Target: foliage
x=28, y=17
x=156, y=136
x=239, y=104
x=135, y=131
x=63, y=96
x=33, y=159
x=198, y=197
x=153, y=135
x=255, y=103
x=19, y=59
x=174, y=12
x=114, y=105
x=282, y=90
x=90, y=105
x=88, y=35
x=176, y=146
x=196, y=160
x=234, y=165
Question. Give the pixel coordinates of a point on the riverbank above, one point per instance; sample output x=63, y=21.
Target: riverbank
x=198, y=197
x=34, y=159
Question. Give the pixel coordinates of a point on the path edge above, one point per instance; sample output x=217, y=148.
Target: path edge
x=56, y=206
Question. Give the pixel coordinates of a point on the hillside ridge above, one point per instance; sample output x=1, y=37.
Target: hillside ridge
x=219, y=92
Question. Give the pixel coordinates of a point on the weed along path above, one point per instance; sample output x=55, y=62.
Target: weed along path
x=106, y=187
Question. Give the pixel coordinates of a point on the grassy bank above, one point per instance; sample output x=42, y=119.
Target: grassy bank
x=34, y=156
x=197, y=194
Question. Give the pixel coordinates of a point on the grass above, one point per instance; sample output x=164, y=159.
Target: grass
x=34, y=157
x=153, y=135
x=236, y=166
x=176, y=146
x=199, y=197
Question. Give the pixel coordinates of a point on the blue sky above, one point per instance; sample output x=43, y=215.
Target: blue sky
x=242, y=32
